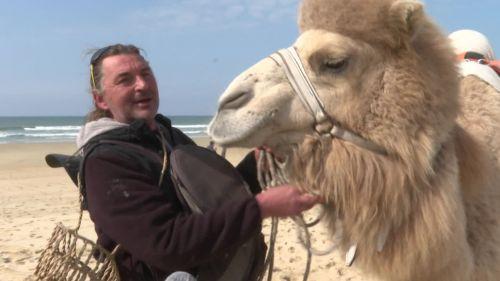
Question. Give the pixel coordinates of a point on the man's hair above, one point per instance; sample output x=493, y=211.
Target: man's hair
x=96, y=75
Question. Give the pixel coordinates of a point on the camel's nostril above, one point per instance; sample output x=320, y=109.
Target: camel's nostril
x=235, y=100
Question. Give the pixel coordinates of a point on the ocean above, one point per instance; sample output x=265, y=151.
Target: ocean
x=65, y=128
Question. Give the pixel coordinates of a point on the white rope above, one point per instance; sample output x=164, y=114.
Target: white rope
x=271, y=172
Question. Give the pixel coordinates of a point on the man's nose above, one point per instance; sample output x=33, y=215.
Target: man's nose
x=140, y=83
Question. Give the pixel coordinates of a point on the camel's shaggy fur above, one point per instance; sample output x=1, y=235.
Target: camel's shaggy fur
x=436, y=193
x=442, y=211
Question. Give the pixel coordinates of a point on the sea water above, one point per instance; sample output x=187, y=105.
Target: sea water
x=65, y=128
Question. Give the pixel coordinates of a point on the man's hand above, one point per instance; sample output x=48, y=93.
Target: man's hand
x=284, y=201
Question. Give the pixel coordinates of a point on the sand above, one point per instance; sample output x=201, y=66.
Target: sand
x=34, y=197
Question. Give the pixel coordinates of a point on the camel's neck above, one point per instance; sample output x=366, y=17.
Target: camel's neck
x=374, y=195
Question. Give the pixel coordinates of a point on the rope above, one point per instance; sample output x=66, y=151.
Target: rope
x=165, y=157
x=269, y=175
x=271, y=172
x=80, y=203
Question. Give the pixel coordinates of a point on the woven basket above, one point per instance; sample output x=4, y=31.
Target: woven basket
x=70, y=256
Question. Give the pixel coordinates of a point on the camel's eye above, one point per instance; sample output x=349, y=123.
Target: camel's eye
x=334, y=65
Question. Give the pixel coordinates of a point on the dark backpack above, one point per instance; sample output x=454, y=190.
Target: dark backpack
x=190, y=168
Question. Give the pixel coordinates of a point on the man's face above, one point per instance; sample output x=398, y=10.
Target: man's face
x=129, y=89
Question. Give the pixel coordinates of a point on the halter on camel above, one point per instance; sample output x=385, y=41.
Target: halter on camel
x=289, y=60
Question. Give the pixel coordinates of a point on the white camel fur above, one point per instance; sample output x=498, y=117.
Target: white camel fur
x=385, y=72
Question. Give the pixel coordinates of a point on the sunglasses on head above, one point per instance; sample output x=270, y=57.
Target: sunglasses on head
x=473, y=56
x=94, y=60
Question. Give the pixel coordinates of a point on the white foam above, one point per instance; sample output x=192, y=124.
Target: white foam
x=193, y=132
x=190, y=126
x=53, y=128
x=7, y=134
x=47, y=135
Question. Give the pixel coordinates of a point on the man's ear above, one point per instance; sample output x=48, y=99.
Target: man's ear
x=99, y=100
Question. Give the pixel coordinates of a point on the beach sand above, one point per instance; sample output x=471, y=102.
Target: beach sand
x=34, y=197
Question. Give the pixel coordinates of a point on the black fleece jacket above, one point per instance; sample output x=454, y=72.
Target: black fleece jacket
x=156, y=235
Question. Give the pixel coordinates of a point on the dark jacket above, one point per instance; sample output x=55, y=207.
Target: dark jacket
x=156, y=235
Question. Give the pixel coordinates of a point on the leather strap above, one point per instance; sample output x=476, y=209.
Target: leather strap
x=289, y=60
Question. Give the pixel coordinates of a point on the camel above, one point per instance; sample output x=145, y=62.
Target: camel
x=406, y=163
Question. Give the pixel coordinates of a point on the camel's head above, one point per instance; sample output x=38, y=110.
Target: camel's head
x=382, y=70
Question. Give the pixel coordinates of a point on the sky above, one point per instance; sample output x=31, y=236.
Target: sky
x=195, y=47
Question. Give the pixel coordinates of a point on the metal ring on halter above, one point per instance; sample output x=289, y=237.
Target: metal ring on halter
x=317, y=219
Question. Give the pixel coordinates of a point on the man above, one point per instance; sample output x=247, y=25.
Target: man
x=121, y=185
x=476, y=56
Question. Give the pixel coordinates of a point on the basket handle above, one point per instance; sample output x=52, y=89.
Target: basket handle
x=115, y=250
x=79, y=223
x=80, y=202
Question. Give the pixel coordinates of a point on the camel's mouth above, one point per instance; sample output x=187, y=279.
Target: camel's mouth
x=250, y=130
x=227, y=130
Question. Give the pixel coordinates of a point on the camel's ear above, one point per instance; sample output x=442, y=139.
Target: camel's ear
x=406, y=16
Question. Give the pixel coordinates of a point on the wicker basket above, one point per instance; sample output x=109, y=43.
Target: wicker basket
x=70, y=256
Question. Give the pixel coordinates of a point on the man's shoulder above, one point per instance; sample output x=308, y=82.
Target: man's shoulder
x=112, y=148
x=180, y=137
x=177, y=136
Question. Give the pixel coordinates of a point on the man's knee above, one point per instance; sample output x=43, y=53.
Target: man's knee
x=180, y=276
